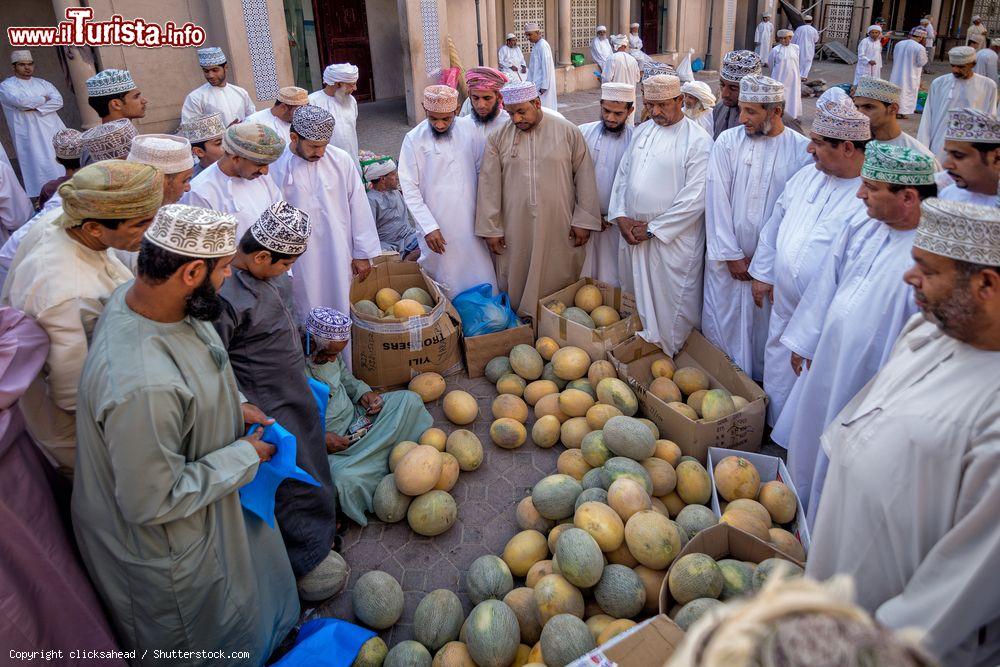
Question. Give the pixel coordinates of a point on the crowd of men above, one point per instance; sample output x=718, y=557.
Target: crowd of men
x=203, y=285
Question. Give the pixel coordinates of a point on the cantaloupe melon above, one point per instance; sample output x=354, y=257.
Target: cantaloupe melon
x=665, y=390
x=372, y=653
x=736, y=477
x=774, y=568
x=449, y=472
x=583, y=384
x=778, y=500
x=599, y=414
x=389, y=504
x=693, y=484
x=622, y=556
x=548, y=373
x=546, y=347
x=695, y=399
x=746, y=522
x=620, y=592
x=696, y=518
x=432, y=513
x=662, y=475
x=526, y=362
x=593, y=449
x=537, y=389
x=528, y=517
x=460, y=407
x=399, y=451
x=787, y=543
x=626, y=436
x=653, y=539
x=579, y=316
x=652, y=581
x=437, y=619
x=691, y=379
x=588, y=298
x=627, y=497
x=614, y=629
x=408, y=653
x=695, y=576
x=658, y=506
x=564, y=639
x=603, y=524
x=366, y=307
x=684, y=409
x=591, y=495
x=418, y=294
x=575, y=403
x=692, y=611
x=580, y=558
x=377, y=599
x=524, y=550
x=492, y=634
x=751, y=506
x=600, y=370
x=593, y=479
x=522, y=602
x=554, y=496
x=663, y=367
x=572, y=463
x=434, y=437
x=669, y=451
x=418, y=471
x=621, y=466
x=615, y=392
x=737, y=579
x=546, y=431
x=739, y=402
x=406, y=308
x=604, y=316
x=556, y=532
x=429, y=386
x=510, y=406
x=453, y=654
x=508, y=433
x=537, y=571
x=386, y=297
x=716, y=404
x=570, y=363
x=497, y=368
x=465, y=446
x=653, y=428
x=597, y=623
x=674, y=503
x=549, y=405
x=555, y=595
x=488, y=577
x=511, y=384
x=556, y=306
x=573, y=431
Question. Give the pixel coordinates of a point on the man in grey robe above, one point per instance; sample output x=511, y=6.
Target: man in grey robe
x=396, y=232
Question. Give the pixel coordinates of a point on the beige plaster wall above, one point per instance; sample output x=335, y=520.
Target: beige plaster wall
x=386, y=48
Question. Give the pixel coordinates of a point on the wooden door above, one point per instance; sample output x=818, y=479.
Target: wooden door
x=342, y=35
x=649, y=25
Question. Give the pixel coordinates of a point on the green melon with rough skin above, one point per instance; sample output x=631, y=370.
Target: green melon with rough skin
x=593, y=479
x=620, y=592
x=580, y=316
x=492, y=634
x=774, y=567
x=438, y=619
x=695, y=576
x=497, y=368
x=622, y=466
x=737, y=579
x=377, y=599
x=692, y=611
x=564, y=639
x=580, y=558
x=627, y=436
x=420, y=295
x=366, y=307
x=488, y=578
x=597, y=495
x=408, y=653
x=696, y=518
x=549, y=373
x=389, y=504
x=555, y=496
x=372, y=653
x=613, y=391
x=595, y=451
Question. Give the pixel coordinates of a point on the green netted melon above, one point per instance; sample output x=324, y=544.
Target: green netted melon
x=613, y=391
x=389, y=504
x=584, y=385
x=408, y=653
x=593, y=479
x=716, y=404
x=497, y=368
x=737, y=578
x=695, y=576
x=437, y=619
x=419, y=295
x=597, y=495
x=580, y=558
x=696, y=518
x=595, y=451
x=692, y=611
x=626, y=436
x=564, y=639
x=549, y=373
x=492, y=634
x=371, y=654
x=366, y=307
x=555, y=496
x=488, y=578
x=526, y=362
x=621, y=466
x=774, y=567
x=620, y=592
x=579, y=316
x=378, y=599
x=432, y=513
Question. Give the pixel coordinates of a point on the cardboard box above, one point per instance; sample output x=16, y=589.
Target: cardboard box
x=648, y=644
x=742, y=430
x=480, y=349
x=597, y=342
x=722, y=541
x=770, y=468
x=388, y=353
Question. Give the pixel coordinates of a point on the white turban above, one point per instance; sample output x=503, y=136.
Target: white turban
x=340, y=73
x=701, y=91
x=874, y=27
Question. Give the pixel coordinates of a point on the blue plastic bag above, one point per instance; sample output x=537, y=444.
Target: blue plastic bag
x=326, y=641
x=483, y=313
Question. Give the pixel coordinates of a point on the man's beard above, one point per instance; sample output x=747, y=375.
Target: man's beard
x=607, y=129
x=482, y=120
x=956, y=314
x=761, y=131
x=439, y=135
x=204, y=303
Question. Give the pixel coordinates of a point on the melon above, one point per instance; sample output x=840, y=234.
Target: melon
x=575, y=403
x=453, y=654
x=580, y=558
x=537, y=389
x=716, y=404
x=554, y=595
x=418, y=471
x=653, y=539
x=408, y=653
x=492, y=634
x=747, y=522
x=653, y=428
x=437, y=619
x=449, y=472
x=692, y=611
x=418, y=294
x=508, y=433
x=526, y=362
x=570, y=363
x=658, y=506
x=524, y=550
x=548, y=373
x=696, y=518
x=627, y=497
x=604, y=316
x=594, y=451
x=736, y=477
x=620, y=466
x=598, y=495
x=488, y=578
x=366, y=307
x=496, y=368
x=599, y=370
x=684, y=410
x=572, y=463
x=546, y=431
x=555, y=496
x=583, y=384
x=510, y=406
x=599, y=414
x=432, y=513
x=669, y=451
x=620, y=592
x=673, y=503
x=546, y=347
x=388, y=503
x=774, y=567
x=528, y=517
x=377, y=599
x=406, y=308
x=588, y=298
x=386, y=297
x=564, y=639
x=597, y=623
x=614, y=629
x=665, y=390
x=613, y=391
x=522, y=602
x=693, y=484
x=434, y=437
x=556, y=306
x=690, y=379
x=535, y=574
x=371, y=654
x=751, y=506
x=695, y=576
x=429, y=386
x=622, y=556
x=573, y=431
x=661, y=474
x=535, y=656
x=465, y=446
x=737, y=578
x=511, y=384
x=555, y=534
x=594, y=479
x=399, y=451
x=695, y=399
x=603, y=524
x=579, y=316
x=663, y=367
x=787, y=543
x=626, y=436
x=778, y=500
x=460, y=407
x=549, y=405
x=739, y=402
x=652, y=581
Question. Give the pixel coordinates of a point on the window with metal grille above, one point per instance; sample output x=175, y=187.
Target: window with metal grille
x=527, y=11
x=583, y=17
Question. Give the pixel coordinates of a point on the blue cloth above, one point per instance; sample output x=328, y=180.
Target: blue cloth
x=258, y=495
x=321, y=393
x=483, y=313
x=326, y=641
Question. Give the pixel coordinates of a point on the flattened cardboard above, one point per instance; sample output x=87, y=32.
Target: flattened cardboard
x=596, y=342
x=770, y=468
x=648, y=644
x=722, y=541
x=480, y=349
x=389, y=354
x=742, y=430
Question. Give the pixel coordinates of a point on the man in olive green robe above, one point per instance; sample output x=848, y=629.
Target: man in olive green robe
x=161, y=454
x=537, y=200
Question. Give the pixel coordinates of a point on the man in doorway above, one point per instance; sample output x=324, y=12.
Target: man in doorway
x=217, y=94
x=113, y=95
x=764, y=36
x=337, y=97
x=600, y=48
x=879, y=100
x=205, y=134
x=485, y=103
x=972, y=157
x=909, y=58
x=279, y=116
x=511, y=59
x=806, y=37
x=541, y=66
x=964, y=89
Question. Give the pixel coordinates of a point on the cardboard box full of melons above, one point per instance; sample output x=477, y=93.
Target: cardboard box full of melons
x=742, y=430
x=648, y=644
x=479, y=350
x=389, y=353
x=596, y=342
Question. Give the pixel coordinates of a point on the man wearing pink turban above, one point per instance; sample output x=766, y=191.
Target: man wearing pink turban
x=485, y=103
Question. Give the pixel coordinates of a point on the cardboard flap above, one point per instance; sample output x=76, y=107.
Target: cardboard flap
x=648, y=644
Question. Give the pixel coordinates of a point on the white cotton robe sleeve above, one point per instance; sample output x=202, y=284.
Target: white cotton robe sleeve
x=762, y=265
x=364, y=233
x=409, y=181
x=689, y=202
x=720, y=231
x=804, y=329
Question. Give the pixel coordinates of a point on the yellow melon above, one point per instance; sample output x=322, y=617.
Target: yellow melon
x=524, y=550
x=535, y=656
x=546, y=431
x=572, y=463
x=695, y=399
x=398, y=452
x=779, y=501
x=526, y=362
x=546, y=347
x=511, y=384
x=622, y=556
x=658, y=506
x=575, y=402
x=537, y=571
x=739, y=402
x=599, y=370
x=599, y=414
x=556, y=532
x=521, y=658
x=549, y=405
x=663, y=367
x=434, y=437
x=386, y=297
x=653, y=428
x=460, y=407
x=662, y=474
x=465, y=446
x=535, y=390
x=452, y=654
x=418, y=471
x=614, y=629
x=627, y=497
x=603, y=524
x=598, y=622
x=653, y=539
x=554, y=595
x=429, y=386
x=570, y=363
x=573, y=432
x=510, y=406
x=684, y=409
x=652, y=581
x=615, y=392
x=665, y=390
x=605, y=316
x=691, y=379
x=588, y=298
x=556, y=306
x=693, y=484
x=528, y=517
x=736, y=477
x=787, y=543
x=747, y=522
x=673, y=503
x=751, y=506
x=508, y=433
x=717, y=404
x=669, y=451
x=405, y=308
x=449, y=472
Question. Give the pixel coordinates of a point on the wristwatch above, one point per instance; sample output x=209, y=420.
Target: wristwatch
x=649, y=234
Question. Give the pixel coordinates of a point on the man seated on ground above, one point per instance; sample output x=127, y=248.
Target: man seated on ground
x=362, y=426
x=395, y=231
